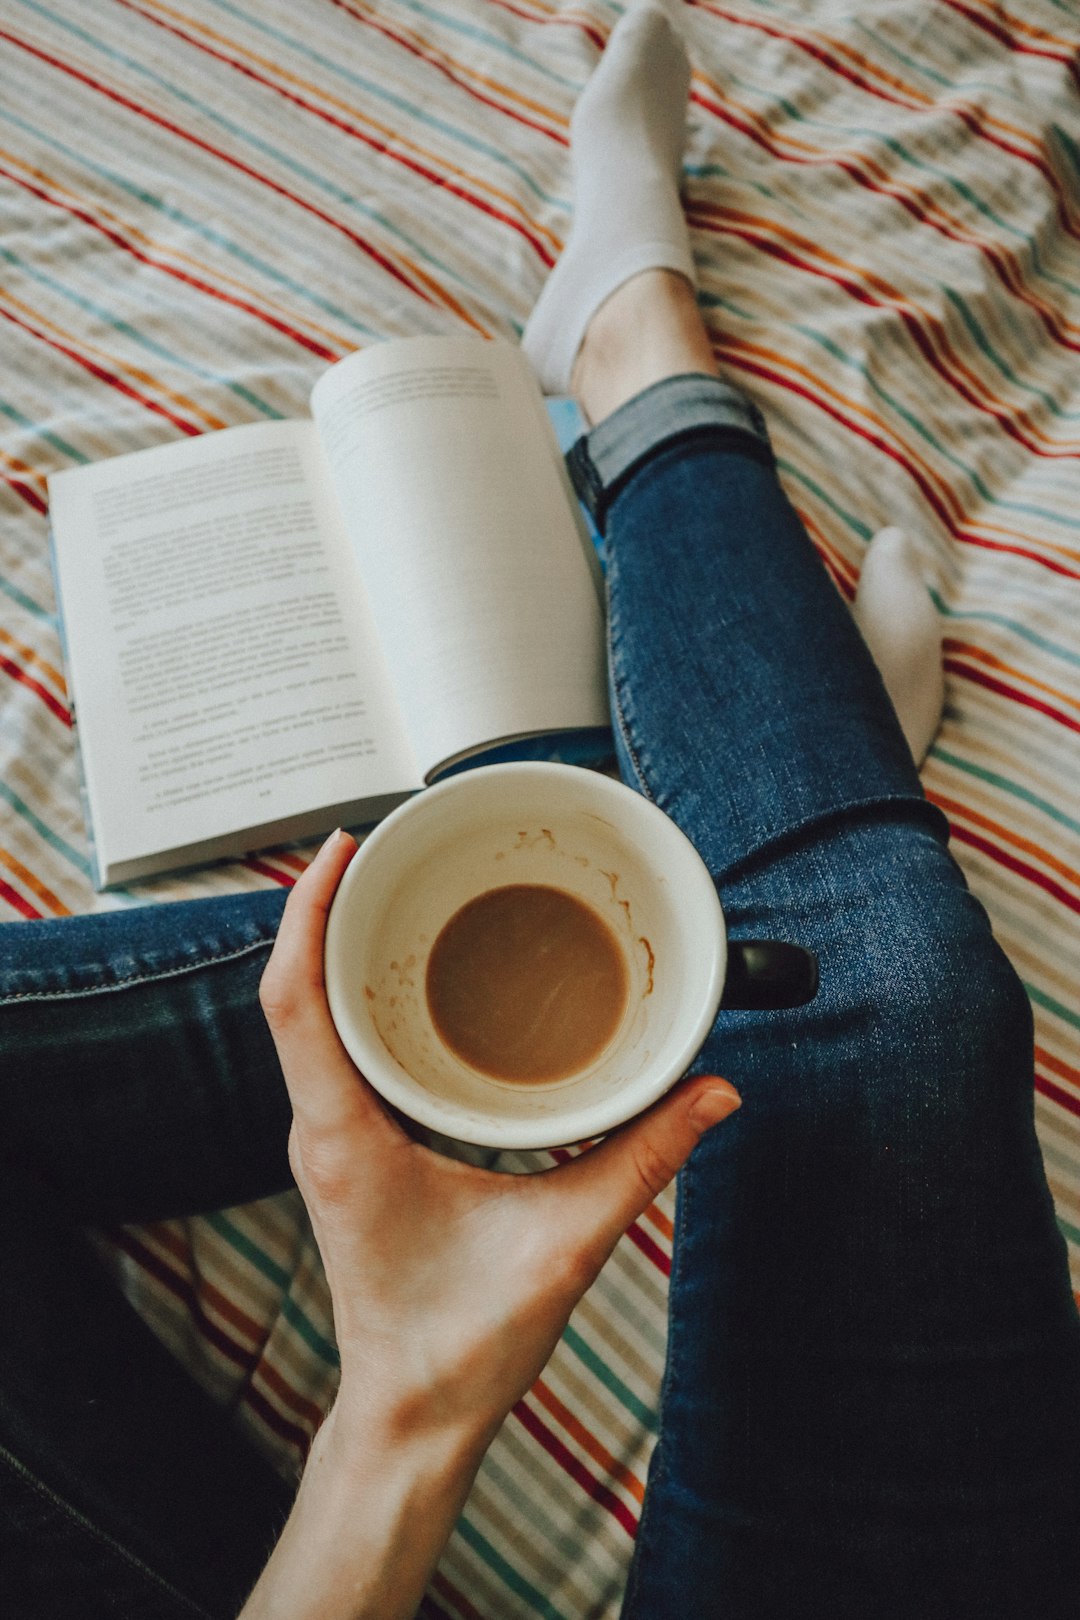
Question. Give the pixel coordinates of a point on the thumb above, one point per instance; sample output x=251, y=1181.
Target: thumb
x=611, y=1185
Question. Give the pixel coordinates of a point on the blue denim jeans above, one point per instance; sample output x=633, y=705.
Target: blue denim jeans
x=871, y=1405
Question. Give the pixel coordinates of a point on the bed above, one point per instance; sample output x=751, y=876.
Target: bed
x=203, y=203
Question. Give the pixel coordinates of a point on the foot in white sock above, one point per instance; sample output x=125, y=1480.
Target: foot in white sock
x=626, y=143
x=900, y=625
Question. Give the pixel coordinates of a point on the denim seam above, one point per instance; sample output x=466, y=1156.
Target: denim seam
x=21, y=1472
x=618, y=684
x=133, y=980
x=631, y=749
x=659, y=1469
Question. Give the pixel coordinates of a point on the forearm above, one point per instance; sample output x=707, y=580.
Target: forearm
x=375, y=1507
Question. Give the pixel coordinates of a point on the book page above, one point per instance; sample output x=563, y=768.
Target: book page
x=225, y=668
x=469, y=541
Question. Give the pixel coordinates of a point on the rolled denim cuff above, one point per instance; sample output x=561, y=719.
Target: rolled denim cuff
x=676, y=408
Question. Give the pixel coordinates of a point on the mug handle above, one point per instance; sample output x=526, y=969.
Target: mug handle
x=769, y=973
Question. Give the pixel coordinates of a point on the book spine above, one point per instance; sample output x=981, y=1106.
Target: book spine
x=97, y=876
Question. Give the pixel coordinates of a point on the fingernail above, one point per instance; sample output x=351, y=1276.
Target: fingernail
x=711, y=1106
x=332, y=842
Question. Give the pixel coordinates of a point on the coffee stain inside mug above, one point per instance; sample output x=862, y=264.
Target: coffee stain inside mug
x=526, y=982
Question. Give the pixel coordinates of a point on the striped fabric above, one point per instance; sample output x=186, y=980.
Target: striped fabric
x=204, y=202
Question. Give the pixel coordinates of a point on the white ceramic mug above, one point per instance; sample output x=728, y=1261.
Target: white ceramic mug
x=569, y=829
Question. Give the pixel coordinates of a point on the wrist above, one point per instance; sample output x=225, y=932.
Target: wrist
x=419, y=1446
x=378, y=1499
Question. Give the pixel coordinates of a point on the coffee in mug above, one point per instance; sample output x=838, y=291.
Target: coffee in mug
x=525, y=956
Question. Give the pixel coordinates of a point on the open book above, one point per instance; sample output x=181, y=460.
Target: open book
x=278, y=628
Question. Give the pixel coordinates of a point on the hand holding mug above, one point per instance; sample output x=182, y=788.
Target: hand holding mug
x=450, y=1283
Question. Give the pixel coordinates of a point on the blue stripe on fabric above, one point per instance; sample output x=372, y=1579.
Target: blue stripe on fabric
x=600, y=1370
x=983, y=344
x=247, y=138
x=27, y=602
x=303, y=1325
x=471, y=31
x=1014, y=789
x=877, y=42
x=798, y=475
x=53, y=839
x=513, y=1482
x=510, y=1577
x=996, y=500
x=147, y=343
x=281, y=1277
x=718, y=171
x=379, y=92
x=875, y=138
x=1021, y=630
x=198, y=227
x=1048, y=1003
x=15, y=415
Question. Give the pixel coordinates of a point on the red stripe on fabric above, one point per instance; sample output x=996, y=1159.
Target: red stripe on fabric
x=974, y=121
x=285, y=879
x=319, y=349
x=1015, y=42
x=337, y=122
x=863, y=174
x=929, y=214
x=26, y=492
x=183, y=1291
x=300, y=1438
x=649, y=1248
x=946, y=364
x=958, y=667
x=1021, y=868
x=19, y=901
x=371, y=21
x=820, y=54
x=946, y=368
x=928, y=487
x=555, y=19
x=216, y=152
x=103, y=374
x=1056, y=1093
x=935, y=495
x=561, y=1454
x=445, y=1588
x=50, y=702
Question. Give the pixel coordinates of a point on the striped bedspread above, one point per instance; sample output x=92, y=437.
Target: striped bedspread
x=204, y=202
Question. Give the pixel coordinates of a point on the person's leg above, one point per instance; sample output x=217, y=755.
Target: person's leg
x=138, y=1081
x=872, y=1396
x=626, y=140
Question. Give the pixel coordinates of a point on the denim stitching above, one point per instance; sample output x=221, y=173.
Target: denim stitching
x=42, y=1490
x=135, y=979
x=659, y=1468
x=618, y=684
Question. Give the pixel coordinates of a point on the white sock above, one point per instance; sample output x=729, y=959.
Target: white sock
x=899, y=623
x=627, y=136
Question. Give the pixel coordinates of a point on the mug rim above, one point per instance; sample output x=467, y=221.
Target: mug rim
x=583, y=1120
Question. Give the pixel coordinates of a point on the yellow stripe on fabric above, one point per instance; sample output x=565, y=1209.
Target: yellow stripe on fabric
x=36, y=887
x=123, y=369
x=386, y=132
x=30, y=658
